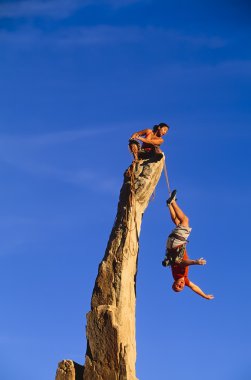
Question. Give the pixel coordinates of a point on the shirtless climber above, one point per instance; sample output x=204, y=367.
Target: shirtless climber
x=176, y=254
x=151, y=139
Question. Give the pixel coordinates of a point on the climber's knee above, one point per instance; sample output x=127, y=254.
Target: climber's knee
x=134, y=147
x=185, y=221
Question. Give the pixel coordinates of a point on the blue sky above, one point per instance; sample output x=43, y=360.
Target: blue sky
x=77, y=79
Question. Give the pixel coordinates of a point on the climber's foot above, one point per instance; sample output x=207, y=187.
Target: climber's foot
x=172, y=197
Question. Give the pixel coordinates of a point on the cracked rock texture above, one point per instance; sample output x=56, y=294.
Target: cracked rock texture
x=111, y=344
x=69, y=370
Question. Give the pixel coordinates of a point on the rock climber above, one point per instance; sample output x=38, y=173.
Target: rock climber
x=151, y=140
x=176, y=254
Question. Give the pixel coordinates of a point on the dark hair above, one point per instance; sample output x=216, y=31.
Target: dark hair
x=160, y=125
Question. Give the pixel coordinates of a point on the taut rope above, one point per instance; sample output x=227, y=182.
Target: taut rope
x=167, y=180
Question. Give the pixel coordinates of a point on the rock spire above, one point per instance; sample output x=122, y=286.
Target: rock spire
x=110, y=330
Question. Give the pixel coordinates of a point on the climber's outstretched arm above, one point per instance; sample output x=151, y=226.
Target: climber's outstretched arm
x=198, y=290
x=187, y=262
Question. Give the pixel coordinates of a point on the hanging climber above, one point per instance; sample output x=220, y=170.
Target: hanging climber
x=176, y=254
x=151, y=140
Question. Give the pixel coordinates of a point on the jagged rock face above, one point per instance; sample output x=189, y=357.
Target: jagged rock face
x=69, y=370
x=66, y=370
x=111, y=345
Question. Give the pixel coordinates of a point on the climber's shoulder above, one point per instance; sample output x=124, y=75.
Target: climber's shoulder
x=148, y=132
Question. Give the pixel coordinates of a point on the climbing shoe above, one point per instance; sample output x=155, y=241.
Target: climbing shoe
x=172, y=197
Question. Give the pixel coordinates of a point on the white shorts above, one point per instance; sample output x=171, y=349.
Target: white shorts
x=181, y=231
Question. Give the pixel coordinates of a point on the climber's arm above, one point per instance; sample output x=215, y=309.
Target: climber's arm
x=149, y=138
x=200, y=292
x=153, y=140
x=144, y=132
x=187, y=262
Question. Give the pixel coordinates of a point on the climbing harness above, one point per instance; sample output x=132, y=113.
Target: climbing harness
x=150, y=152
x=174, y=255
x=143, y=151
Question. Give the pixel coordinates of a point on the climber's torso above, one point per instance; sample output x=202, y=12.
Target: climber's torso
x=179, y=271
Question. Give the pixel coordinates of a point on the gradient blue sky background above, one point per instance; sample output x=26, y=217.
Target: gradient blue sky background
x=77, y=79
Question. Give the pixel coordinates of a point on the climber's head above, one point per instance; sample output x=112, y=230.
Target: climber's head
x=160, y=129
x=179, y=284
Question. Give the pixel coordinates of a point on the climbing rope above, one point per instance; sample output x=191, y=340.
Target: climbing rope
x=153, y=195
x=129, y=221
x=166, y=175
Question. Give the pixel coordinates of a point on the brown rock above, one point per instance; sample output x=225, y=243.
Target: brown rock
x=69, y=370
x=111, y=345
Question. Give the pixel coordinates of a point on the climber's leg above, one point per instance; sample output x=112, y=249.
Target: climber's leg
x=173, y=215
x=183, y=219
x=134, y=147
